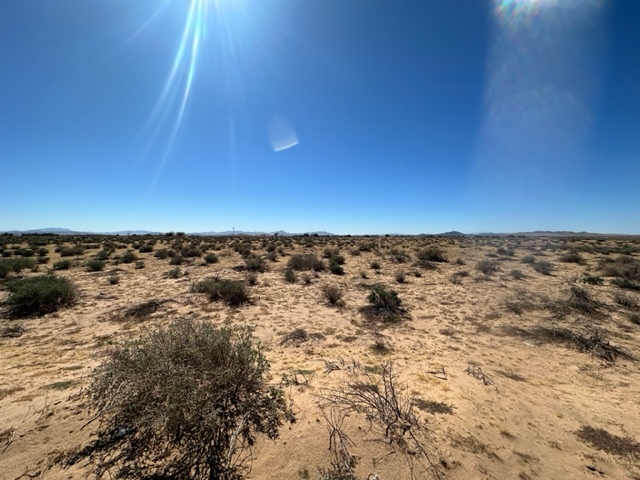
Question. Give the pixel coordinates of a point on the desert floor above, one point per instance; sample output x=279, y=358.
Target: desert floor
x=499, y=388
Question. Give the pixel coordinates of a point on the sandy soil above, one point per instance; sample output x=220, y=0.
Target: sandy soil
x=494, y=399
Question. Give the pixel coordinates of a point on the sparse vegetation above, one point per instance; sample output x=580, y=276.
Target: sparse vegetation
x=232, y=292
x=196, y=391
x=40, y=295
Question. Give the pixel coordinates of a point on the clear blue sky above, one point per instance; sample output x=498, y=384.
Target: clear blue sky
x=351, y=116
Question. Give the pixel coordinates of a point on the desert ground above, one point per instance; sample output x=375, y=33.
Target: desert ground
x=517, y=356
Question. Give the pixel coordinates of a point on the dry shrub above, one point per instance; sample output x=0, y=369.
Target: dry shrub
x=185, y=401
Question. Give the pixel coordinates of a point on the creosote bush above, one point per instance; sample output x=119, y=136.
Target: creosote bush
x=305, y=261
x=232, y=292
x=185, y=401
x=40, y=295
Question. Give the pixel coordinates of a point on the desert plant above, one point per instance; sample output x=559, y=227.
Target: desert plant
x=62, y=265
x=290, y=275
x=400, y=276
x=528, y=259
x=592, y=280
x=305, y=261
x=375, y=265
x=332, y=294
x=15, y=265
x=427, y=256
x=211, y=258
x=40, y=295
x=543, y=267
x=487, y=266
x=114, y=279
x=139, y=264
x=95, y=265
x=128, y=257
x=255, y=264
x=232, y=292
x=185, y=401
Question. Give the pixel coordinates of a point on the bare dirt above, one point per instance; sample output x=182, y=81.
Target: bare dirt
x=500, y=392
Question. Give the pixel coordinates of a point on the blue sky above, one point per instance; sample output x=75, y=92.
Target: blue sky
x=351, y=116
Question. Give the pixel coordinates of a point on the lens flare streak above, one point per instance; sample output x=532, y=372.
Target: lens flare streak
x=179, y=83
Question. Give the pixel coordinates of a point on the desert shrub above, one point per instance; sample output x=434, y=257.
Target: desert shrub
x=517, y=274
x=43, y=260
x=305, y=261
x=70, y=251
x=272, y=256
x=306, y=278
x=399, y=256
x=62, y=265
x=139, y=264
x=16, y=265
x=255, y=264
x=232, y=292
x=146, y=248
x=128, y=257
x=571, y=257
x=581, y=300
x=173, y=273
x=401, y=276
x=95, y=265
x=290, y=275
x=176, y=260
x=543, y=267
x=385, y=304
x=330, y=252
x=161, y=254
x=427, y=256
x=487, y=266
x=592, y=280
x=528, y=259
x=114, y=279
x=190, y=252
x=625, y=283
x=335, y=267
x=252, y=278
x=375, y=265
x=40, y=295
x=634, y=318
x=624, y=266
x=332, y=294
x=211, y=258
x=626, y=300
x=184, y=401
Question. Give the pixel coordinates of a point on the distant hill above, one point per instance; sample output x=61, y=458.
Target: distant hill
x=67, y=231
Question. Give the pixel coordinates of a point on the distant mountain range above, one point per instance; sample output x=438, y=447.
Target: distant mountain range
x=281, y=233
x=66, y=231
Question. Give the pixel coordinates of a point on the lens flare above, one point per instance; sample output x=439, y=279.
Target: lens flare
x=175, y=94
x=282, y=135
x=543, y=73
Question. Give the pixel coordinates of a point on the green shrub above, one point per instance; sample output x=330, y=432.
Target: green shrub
x=305, y=261
x=40, y=295
x=62, y=265
x=95, y=265
x=290, y=275
x=128, y=257
x=184, y=401
x=384, y=300
x=232, y=292
x=211, y=258
x=16, y=265
x=591, y=280
x=335, y=268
